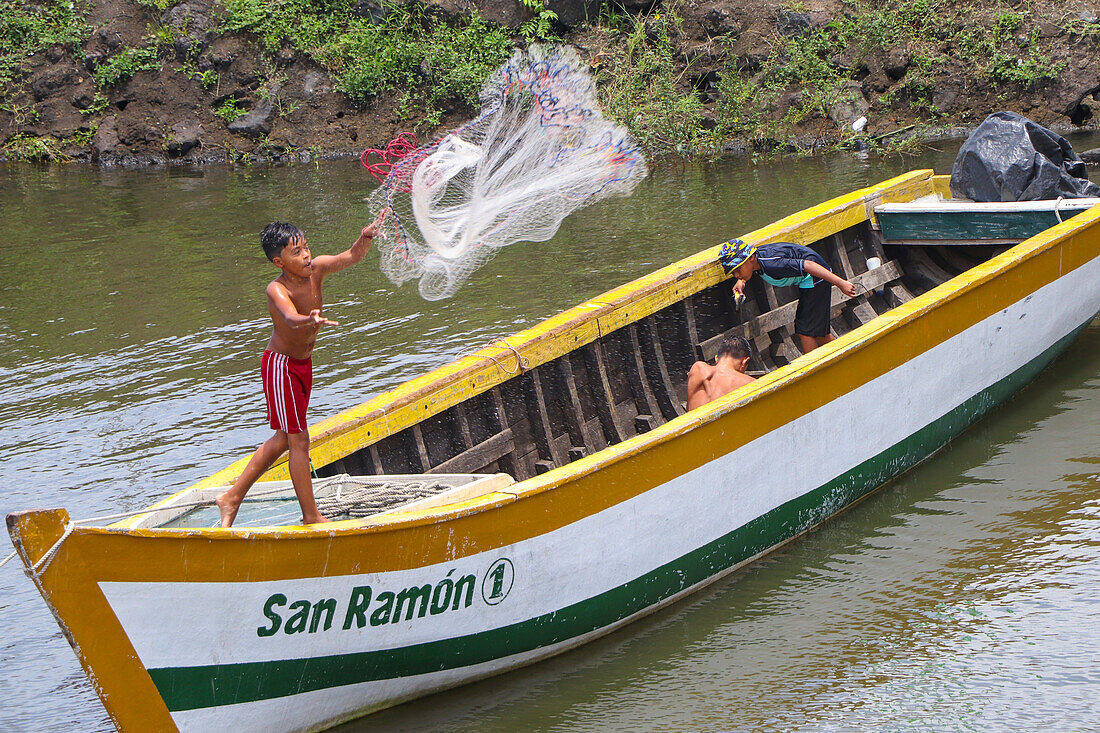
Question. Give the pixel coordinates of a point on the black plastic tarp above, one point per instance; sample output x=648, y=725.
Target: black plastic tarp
x=1011, y=158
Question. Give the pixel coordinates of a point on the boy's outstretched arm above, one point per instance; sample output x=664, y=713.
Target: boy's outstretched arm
x=324, y=264
x=824, y=273
x=283, y=308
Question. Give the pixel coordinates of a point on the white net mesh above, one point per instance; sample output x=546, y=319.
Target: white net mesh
x=539, y=150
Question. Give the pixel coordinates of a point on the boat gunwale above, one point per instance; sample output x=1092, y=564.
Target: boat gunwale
x=781, y=377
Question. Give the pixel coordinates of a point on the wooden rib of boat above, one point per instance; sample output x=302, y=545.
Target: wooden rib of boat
x=551, y=488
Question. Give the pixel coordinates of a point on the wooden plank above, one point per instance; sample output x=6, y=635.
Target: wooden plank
x=899, y=292
x=574, y=418
x=783, y=315
x=687, y=308
x=639, y=382
x=597, y=367
x=474, y=459
x=421, y=448
x=665, y=390
x=463, y=422
x=864, y=312
x=540, y=421
x=842, y=255
x=787, y=347
x=375, y=459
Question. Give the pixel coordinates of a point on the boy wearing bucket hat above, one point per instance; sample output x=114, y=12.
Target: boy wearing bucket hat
x=784, y=263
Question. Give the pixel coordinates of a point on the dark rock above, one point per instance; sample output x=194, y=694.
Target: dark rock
x=192, y=21
x=58, y=117
x=946, y=99
x=508, y=13
x=185, y=136
x=83, y=98
x=1091, y=157
x=371, y=10
x=92, y=59
x=572, y=13
x=315, y=83
x=636, y=6
x=54, y=81
x=1049, y=30
x=751, y=63
x=849, y=106
x=133, y=131
x=55, y=53
x=105, y=140
x=791, y=23
x=189, y=46
x=896, y=63
x=449, y=10
x=109, y=38
x=256, y=123
x=190, y=16
x=1080, y=114
x=719, y=21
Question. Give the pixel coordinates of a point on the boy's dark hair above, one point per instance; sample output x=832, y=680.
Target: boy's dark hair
x=735, y=346
x=277, y=235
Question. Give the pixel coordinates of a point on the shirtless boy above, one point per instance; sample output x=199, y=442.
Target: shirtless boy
x=784, y=263
x=295, y=303
x=707, y=383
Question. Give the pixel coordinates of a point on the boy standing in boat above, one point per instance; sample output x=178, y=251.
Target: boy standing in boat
x=784, y=263
x=707, y=383
x=294, y=300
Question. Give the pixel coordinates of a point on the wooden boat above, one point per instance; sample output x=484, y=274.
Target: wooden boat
x=550, y=488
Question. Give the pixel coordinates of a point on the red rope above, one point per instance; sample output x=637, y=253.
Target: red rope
x=398, y=148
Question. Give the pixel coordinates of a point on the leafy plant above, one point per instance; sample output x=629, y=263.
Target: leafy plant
x=539, y=26
x=230, y=110
x=123, y=65
x=33, y=147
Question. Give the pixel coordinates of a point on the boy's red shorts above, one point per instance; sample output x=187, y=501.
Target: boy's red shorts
x=287, y=384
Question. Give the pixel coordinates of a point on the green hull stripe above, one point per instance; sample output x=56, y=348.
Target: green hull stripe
x=189, y=688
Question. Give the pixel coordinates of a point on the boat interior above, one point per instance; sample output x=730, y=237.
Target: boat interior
x=628, y=381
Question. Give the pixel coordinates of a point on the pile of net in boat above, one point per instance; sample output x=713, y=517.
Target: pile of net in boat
x=355, y=497
x=539, y=150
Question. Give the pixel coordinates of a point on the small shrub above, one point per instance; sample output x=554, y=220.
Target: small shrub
x=230, y=110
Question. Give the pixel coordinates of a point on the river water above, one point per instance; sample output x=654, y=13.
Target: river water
x=962, y=596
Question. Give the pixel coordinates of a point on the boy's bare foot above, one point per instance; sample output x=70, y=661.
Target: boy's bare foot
x=227, y=508
x=319, y=519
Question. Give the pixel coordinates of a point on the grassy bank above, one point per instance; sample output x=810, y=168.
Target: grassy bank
x=792, y=84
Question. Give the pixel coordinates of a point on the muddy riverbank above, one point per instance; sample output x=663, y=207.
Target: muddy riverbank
x=136, y=82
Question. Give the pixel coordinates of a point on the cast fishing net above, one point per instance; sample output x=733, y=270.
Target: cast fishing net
x=539, y=150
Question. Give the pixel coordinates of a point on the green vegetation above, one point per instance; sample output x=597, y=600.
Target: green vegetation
x=539, y=26
x=791, y=87
x=805, y=74
x=123, y=65
x=33, y=147
x=230, y=110
x=427, y=61
x=27, y=28
x=640, y=85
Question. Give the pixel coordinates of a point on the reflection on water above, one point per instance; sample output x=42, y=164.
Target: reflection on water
x=132, y=315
